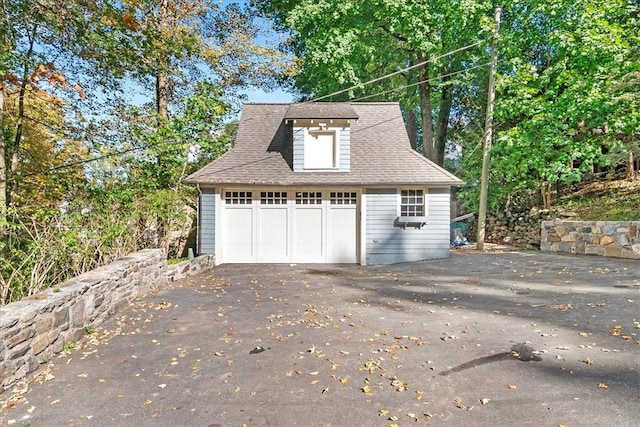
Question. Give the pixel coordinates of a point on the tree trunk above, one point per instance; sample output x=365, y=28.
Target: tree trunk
x=545, y=190
x=162, y=94
x=446, y=100
x=631, y=173
x=412, y=128
x=162, y=81
x=3, y=164
x=425, y=114
x=14, y=149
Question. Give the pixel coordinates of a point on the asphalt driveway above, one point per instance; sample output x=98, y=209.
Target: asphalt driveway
x=511, y=338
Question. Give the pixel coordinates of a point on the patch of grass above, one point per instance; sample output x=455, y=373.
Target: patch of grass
x=604, y=201
x=68, y=346
x=172, y=261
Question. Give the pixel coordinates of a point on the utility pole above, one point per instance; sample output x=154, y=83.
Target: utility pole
x=488, y=134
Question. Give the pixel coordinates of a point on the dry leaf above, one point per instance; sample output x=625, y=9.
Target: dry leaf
x=314, y=382
x=512, y=386
x=588, y=361
x=383, y=412
x=344, y=380
x=458, y=403
x=602, y=385
x=484, y=400
x=237, y=389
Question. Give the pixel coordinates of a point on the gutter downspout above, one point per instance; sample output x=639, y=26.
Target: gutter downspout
x=199, y=220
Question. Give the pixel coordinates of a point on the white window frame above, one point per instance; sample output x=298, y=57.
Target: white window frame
x=314, y=161
x=401, y=203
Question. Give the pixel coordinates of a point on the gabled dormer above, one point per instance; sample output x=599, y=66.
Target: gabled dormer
x=321, y=136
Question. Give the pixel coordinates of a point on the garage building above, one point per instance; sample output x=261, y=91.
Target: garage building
x=323, y=183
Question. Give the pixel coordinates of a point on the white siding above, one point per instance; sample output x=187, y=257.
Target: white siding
x=388, y=242
x=207, y=222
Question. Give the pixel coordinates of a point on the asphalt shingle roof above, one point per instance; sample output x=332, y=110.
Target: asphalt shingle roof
x=321, y=110
x=381, y=153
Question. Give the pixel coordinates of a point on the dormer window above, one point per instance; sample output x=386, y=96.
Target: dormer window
x=321, y=149
x=321, y=136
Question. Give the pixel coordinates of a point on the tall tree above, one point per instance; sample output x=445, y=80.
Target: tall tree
x=32, y=34
x=344, y=43
x=559, y=63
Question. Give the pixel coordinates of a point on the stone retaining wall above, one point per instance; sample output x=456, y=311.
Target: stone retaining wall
x=38, y=327
x=619, y=239
x=190, y=267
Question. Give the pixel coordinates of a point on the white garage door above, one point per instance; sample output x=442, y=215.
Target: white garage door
x=289, y=226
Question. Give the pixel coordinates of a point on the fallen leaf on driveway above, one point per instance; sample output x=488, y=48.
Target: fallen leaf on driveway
x=458, y=403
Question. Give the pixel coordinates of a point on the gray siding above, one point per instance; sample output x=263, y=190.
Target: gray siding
x=387, y=242
x=344, y=149
x=298, y=149
x=207, y=222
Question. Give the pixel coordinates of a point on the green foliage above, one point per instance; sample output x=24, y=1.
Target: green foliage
x=46, y=247
x=342, y=44
x=560, y=63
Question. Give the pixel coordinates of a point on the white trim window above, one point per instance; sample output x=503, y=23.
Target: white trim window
x=321, y=149
x=308, y=198
x=343, y=197
x=273, y=197
x=412, y=203
x=238, y=197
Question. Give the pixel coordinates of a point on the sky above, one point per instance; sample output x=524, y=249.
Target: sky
x=277, y=96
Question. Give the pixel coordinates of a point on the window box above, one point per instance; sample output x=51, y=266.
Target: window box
x=413, y=221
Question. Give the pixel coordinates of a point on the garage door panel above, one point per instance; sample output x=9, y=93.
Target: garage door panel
x=238, y=235
x=307, y=235
x=341, y=235
x=273, y=234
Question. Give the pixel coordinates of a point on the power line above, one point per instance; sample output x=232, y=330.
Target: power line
x=386, y=76
x=375, y=80
x=420, y=82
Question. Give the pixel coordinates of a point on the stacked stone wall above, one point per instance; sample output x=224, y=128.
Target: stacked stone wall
x=519, y=228
x=37, y=328
x=619, y=239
